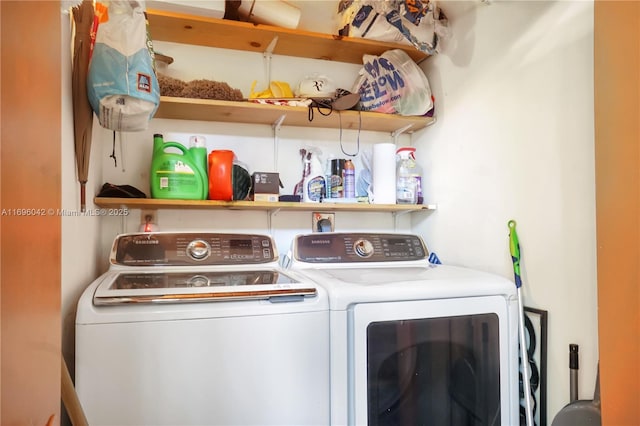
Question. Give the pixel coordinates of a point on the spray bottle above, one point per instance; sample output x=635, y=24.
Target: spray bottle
x=406, y=182
x=313, y=184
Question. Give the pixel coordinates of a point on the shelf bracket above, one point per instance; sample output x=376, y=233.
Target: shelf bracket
x=267, y=54
x=278, y=123
x=270, y=215
x=276, y=126
x=396, y=216
x=123, y=221
x=396, y=133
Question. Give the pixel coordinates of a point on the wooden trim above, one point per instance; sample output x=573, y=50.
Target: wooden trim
x=30, y=137
x=617, y=150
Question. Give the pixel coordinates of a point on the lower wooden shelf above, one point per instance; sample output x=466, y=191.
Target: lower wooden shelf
x=254, y=113
x=152, y=203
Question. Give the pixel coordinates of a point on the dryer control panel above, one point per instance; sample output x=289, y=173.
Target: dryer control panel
x=358, y=247
x=192, y=248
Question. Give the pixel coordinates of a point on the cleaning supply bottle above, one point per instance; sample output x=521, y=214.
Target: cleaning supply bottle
x=406, y=182
x=220, y=164
x=349, y=179
x=337, y=173
x=177, y=176
x=415, y=170
x=327, y=177
x=198, y=150
x=313, y=184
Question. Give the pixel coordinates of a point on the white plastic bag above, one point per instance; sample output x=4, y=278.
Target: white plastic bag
x=122, y=86
x=393, y=83
x=417, y=22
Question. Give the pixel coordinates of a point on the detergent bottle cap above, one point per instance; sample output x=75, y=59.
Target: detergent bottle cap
x=198, y=141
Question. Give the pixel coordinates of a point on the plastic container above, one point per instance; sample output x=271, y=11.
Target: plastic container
x=181, y=175
x=415, y=170
x=220, y=181
x=406, y=182
x=198, y=150
x=337, y=172
x=327, y=177
x=313, y=185
x=349, y=178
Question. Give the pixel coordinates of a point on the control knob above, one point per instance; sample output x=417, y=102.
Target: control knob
x=198, y=249
x=363, y=248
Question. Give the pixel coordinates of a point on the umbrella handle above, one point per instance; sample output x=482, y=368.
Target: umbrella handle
x=83, y=197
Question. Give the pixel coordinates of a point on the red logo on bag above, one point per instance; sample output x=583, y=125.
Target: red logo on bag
x=144, y=83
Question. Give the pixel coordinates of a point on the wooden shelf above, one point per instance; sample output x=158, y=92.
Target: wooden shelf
x=227, y=34
x=221, y=33
x=250, y=112
x=152, y=203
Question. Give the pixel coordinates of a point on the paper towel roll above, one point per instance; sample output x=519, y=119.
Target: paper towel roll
x=271, y=12
x=384, y=173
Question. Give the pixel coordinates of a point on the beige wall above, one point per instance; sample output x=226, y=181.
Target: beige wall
x=30, y=179
x=617, y=109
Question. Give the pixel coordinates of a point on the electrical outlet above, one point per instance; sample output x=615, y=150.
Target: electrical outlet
x=148, y=221
x=323, y=222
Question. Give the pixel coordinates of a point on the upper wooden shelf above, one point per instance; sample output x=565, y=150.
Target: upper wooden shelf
x=227, y=34
x=153, y=203
x=249, y=112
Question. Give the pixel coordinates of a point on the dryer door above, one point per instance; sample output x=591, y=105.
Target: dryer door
x=435, y=362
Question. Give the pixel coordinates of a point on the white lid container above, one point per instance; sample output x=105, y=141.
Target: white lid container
x=210, y=8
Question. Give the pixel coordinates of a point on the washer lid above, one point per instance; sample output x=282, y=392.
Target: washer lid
x=379, y=275
x=199, y=286
x=348, y=285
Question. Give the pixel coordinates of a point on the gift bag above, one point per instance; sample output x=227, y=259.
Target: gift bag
x=122, y=85
x=393, y=83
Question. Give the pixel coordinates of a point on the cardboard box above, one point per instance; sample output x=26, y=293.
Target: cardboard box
x=270, y=198
x=265, y=186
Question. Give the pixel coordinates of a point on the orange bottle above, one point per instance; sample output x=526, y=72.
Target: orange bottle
x=220, y=175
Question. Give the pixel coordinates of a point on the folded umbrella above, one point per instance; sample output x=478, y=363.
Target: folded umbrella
x=82, y=23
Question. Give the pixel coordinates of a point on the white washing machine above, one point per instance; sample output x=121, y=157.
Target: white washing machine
x=412, y=343
x=202, y=329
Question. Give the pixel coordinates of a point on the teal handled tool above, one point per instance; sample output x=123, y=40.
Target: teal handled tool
x=514, y=248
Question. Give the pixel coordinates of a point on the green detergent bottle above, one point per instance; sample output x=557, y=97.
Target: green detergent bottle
x=179, y=176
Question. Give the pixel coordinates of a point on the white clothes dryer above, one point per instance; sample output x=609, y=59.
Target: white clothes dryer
x=202, y=329
x=412, y=343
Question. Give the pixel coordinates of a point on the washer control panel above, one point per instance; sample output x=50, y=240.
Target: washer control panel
x=358, y=247
x=191, y=248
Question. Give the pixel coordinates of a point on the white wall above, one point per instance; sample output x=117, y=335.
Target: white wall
x=254, y=145
x=514, y=140
x=81, y=244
